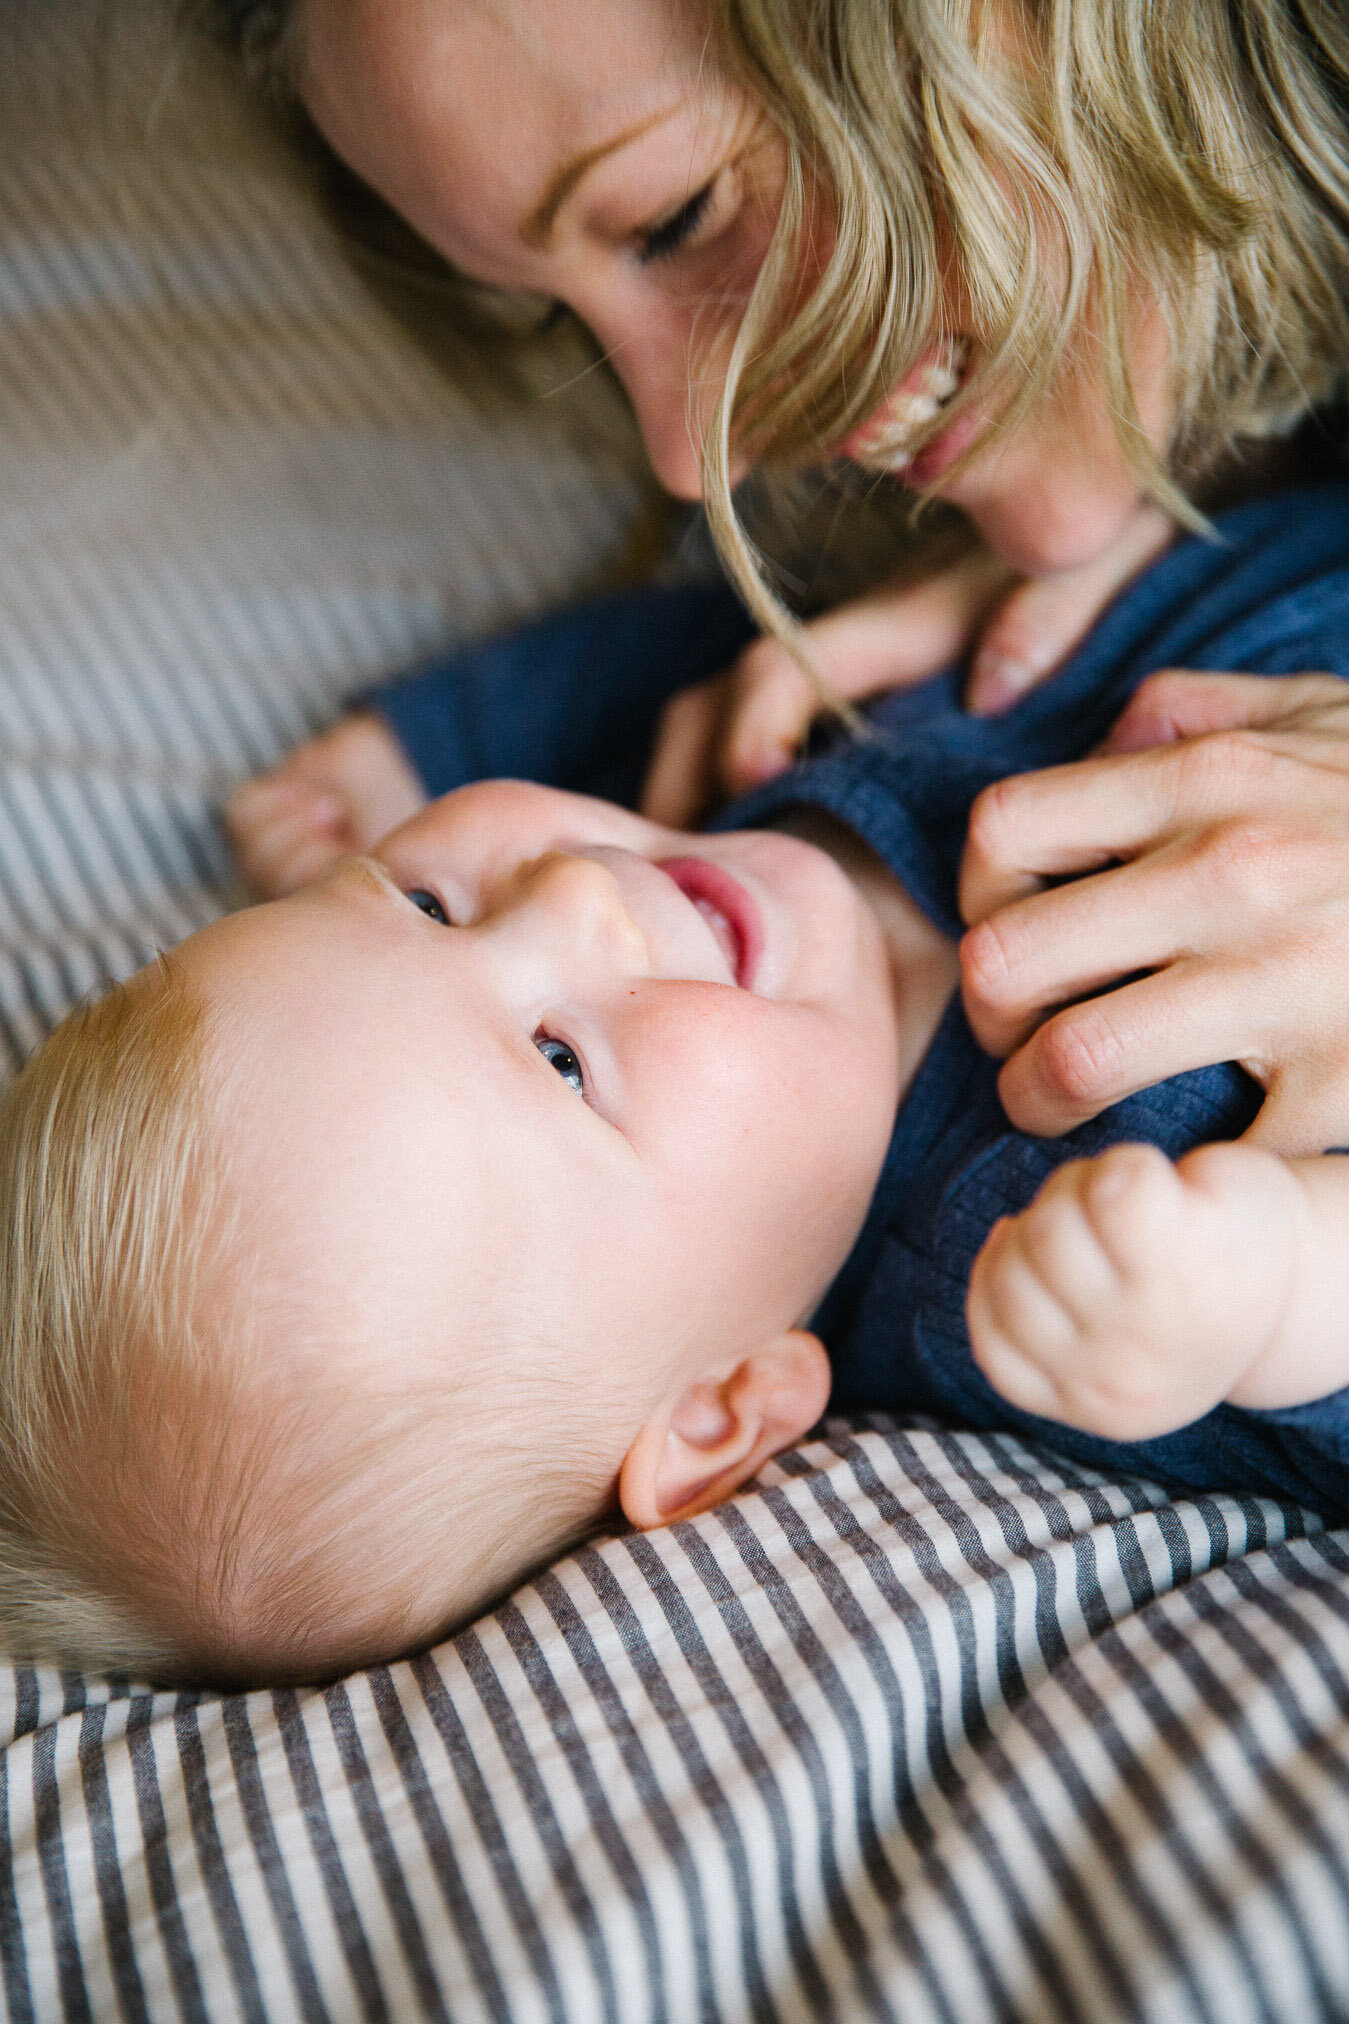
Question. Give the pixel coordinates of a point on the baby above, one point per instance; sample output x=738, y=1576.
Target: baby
x=544, y=1163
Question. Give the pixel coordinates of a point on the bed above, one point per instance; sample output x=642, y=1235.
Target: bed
x=924, y=1725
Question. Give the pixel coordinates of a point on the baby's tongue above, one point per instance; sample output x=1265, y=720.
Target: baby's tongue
x=721, y=928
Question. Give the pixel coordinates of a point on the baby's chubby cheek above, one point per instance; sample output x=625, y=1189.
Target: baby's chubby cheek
x=774, y=1160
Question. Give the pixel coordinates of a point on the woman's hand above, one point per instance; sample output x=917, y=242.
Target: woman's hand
x=337, y=794
x=728, y=735
x=1216, y=822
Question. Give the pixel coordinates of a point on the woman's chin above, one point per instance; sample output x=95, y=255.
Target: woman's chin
x=1043, y=529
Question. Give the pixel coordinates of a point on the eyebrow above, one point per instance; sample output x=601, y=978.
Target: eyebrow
x=537, y=229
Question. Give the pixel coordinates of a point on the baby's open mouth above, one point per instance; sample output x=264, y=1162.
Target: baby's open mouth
x=727, y=909
x=886, y=442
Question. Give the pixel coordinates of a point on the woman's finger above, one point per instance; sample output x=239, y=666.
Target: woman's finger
x=1185, y=703
x=681, y=776
x=770, y=703
x=1306, y=1109
x=909, y=628
x=1253, y=888
x=1035, y=628
x=896, y=635
x=1072, y=819
x=1064, y=943
x=1091, y=1055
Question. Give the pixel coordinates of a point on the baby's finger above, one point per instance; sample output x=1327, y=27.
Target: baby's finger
x=273, y=797
x=1043, y=619
x=1018, y=1330
x=279, y=856
x=680, y=777
x=298, y=865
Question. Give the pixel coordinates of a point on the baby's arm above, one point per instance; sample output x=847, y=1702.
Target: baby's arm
x=1133, y=1294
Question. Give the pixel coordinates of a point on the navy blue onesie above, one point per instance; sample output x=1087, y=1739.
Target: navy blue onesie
x=574, y=702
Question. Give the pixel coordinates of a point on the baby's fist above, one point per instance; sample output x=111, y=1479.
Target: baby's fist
x=1133, y=1295
x=338, y=794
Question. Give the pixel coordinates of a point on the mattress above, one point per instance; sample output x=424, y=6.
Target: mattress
x=924, y=1725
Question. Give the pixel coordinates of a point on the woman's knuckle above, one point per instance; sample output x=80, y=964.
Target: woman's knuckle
x=1213, y=768
x=1247, y=861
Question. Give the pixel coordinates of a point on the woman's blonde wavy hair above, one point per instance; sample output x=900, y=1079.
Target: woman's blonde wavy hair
x=1074, y=156
x=1066, y=159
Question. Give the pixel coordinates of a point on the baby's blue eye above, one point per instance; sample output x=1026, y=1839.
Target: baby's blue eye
x=563, y=1060
x=428, y=904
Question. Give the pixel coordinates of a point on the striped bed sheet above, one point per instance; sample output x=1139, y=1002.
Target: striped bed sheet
x=928, y=1726
x=923, y=1726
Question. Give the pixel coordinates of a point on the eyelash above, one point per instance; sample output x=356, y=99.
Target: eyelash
x=664, y=240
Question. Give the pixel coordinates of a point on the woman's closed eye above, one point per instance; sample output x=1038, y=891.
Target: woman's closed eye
x=561, y=1057
x=678, y=229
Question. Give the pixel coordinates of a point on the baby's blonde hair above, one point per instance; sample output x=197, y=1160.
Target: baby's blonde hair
x=100, y=1150
x=182, y=1494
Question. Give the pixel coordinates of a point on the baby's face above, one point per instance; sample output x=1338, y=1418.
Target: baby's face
x=541, y=1055
x=539, y=1075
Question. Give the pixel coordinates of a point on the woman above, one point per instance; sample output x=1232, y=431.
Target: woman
x=1031, y=257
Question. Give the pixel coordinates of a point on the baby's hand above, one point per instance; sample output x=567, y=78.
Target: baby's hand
x=337, y=794
x=1132, y=1295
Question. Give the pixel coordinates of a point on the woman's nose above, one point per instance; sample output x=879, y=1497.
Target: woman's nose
x=664, y=421
x=653, y=358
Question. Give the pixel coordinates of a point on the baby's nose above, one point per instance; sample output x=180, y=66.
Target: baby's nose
x=581, y=897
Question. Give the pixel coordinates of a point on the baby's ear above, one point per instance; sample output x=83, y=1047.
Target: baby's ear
x=714, y=1435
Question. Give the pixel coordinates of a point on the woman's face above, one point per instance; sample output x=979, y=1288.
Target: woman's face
x=594, y=153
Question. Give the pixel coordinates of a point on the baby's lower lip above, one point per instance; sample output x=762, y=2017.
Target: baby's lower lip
x=727, y=908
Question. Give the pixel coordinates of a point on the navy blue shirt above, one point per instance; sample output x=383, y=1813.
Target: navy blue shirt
x=575, y=702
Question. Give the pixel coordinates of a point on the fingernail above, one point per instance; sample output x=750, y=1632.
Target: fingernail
x=998, y=682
